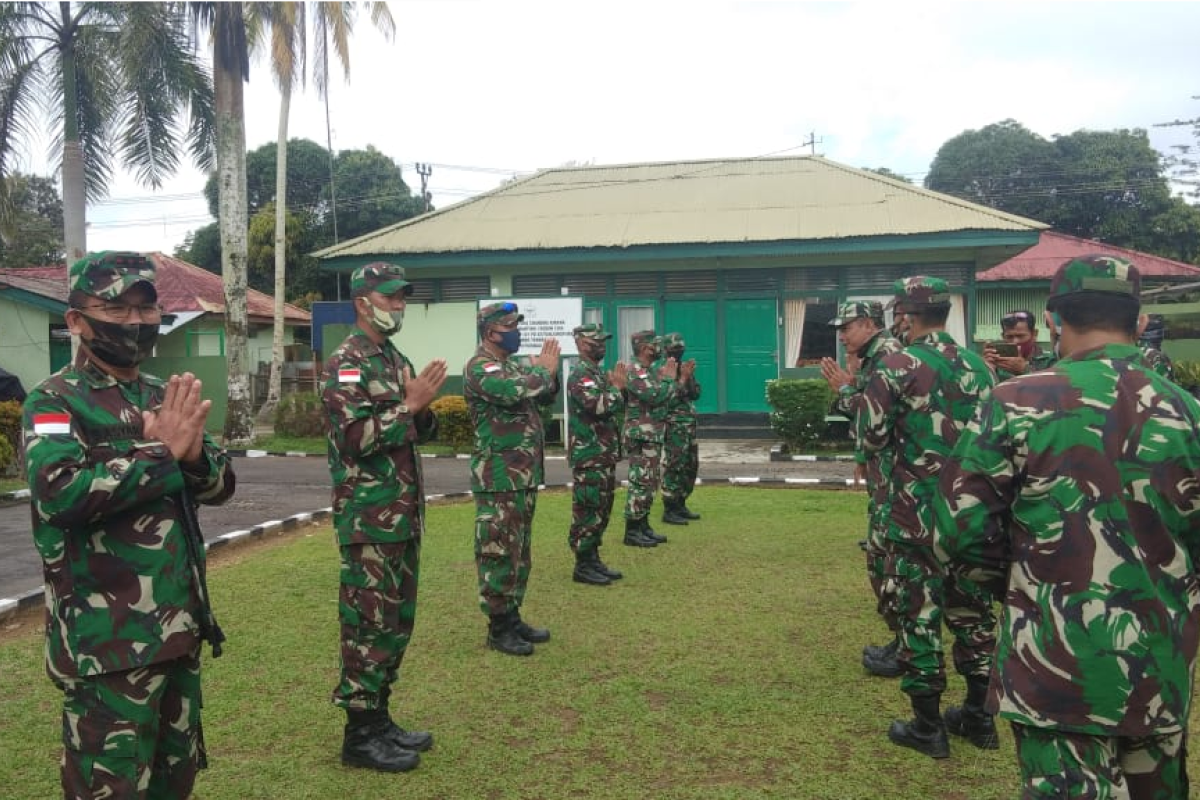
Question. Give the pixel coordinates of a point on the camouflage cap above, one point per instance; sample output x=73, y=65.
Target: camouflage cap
x=1096, y=274
x=673, y=341
x=919, y=291
x=111, y=273
x=642, y=338
x=593, y=330
x=857, y=309
x=378, y=276
x=502, y=314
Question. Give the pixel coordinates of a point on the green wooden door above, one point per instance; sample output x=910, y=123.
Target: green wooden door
x=696, y=321
x=751, y=352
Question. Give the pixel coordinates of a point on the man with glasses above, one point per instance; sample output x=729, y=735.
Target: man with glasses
x=1018, y=328
x=860, y=328
x=504, y=398
x=378, y=412
x=117, y=460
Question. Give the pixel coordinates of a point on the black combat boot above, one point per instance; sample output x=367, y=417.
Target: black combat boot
x=971, y=721
x=528, y=632
x=883, y=651
x=605, y=569
x=685, y=511
x=649, y=532
x=633, y=534
x=405, y=740
x=671, y=514
x=885, y=665
x=503, y=636
x=925, y=733
x=368, y=743
x=586, y=572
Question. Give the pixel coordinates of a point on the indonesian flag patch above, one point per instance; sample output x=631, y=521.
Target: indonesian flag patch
x=349, y=375
x=588, y=382
x=491, y=366
x=50, y=424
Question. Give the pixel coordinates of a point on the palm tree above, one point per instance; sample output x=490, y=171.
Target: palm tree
x=226, y=24
x=334, y=23
x=109, y=82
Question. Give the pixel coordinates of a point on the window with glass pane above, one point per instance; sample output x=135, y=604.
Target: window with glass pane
x=630, y=320
x=819, y=339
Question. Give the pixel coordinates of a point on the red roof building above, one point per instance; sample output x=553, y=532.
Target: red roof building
x=1039, y=262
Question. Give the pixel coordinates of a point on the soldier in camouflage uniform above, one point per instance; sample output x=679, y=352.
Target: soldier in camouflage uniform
x=860, y=329
x=378, y=411
x=647, y=395
x=915, y=404
x=1018, y=328
x=1153, y=330
x=116, y=461
x=680, y=453
x=507, y=467
x=1073, y=495
x=593, y=449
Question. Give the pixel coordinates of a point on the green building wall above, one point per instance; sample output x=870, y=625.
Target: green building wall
x=25, y=342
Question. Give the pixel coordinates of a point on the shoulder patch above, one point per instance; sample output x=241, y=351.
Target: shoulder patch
x=587, y=382
x=51, y=424
x=491, y=366
x=349, y=374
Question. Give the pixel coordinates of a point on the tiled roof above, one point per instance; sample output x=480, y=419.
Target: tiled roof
x=182, y=287
x=1039, y=262
x=747, y=200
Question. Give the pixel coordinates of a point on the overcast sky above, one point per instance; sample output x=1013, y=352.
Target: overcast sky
x=487, y=90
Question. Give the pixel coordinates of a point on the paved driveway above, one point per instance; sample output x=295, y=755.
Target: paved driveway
x=274, y=488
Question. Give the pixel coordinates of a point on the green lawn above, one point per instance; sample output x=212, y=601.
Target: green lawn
x=725, y=665
x=11, y=484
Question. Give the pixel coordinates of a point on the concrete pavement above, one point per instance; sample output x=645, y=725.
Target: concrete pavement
x=271, y=489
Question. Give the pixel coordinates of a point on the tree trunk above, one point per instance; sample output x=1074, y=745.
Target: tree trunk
x=231, y=192
x=74, y=186
x=275, y=392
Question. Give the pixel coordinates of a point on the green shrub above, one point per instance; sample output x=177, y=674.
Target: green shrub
x=300, y=414
x=1187, y=374
x=10, y=436
x=454, y=422
x=799, y=411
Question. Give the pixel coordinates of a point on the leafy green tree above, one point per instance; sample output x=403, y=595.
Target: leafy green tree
x=202, y=247
x=307, y=178
x=887, y=173
x=371, y=193
x=1183, y=163
x=109, y=82
x=1003, y=165
x=35, y=233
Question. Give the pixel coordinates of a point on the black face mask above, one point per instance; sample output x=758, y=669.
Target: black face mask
x=119, y=344
x=676, y=354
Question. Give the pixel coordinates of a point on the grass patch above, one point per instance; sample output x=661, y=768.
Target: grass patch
x=12, y=484
x=725, y=665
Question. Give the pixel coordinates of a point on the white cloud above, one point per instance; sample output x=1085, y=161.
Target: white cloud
x=522, y=85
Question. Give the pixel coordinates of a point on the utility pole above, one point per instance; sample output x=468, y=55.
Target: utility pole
x=425, y=170
x=812, y=142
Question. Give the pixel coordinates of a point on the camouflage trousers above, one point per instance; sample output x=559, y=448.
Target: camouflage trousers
x=1063, y=765
x=503, y=558
x=133, y=734
x=377, y=607
x=876, y=557
x=916, y=597
x=644, y=459
x=591, y=506
x=680, y=460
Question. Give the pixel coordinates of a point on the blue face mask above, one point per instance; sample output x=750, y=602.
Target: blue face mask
x=510, y=341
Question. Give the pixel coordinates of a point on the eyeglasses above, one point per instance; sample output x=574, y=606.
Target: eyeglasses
x=1010, y=320
x=122, y=311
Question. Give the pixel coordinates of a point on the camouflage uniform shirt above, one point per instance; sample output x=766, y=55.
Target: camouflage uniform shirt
x=594, y=440
x=917, y=402
x=378, y=494
x=1084, y=479
x=647, y=400
x=504, y=398
x=106, y=515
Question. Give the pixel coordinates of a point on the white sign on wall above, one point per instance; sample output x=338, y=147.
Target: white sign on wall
x=545, y=317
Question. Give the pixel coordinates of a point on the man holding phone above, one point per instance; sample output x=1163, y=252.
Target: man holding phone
x=1019, y=352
